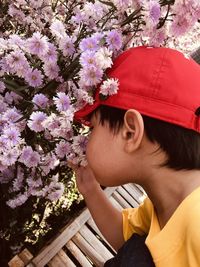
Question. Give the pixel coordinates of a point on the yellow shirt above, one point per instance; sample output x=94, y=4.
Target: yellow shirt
x=178, y=243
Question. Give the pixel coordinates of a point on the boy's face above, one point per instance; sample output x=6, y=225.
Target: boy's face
x=106, y=156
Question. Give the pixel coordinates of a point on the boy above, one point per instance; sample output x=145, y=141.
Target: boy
x=148, y=133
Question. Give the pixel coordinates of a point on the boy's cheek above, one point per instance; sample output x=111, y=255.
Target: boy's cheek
x=88, y=151
x=91, y=155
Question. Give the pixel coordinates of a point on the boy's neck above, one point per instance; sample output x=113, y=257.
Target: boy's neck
x=168, y=188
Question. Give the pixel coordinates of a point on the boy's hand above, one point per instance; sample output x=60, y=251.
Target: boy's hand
x=107, y=218
x=85, y=179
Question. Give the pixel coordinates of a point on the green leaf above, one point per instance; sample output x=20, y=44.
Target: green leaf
x=131, y=17
x=11, y=88
x=50, y=88
x=103, y=97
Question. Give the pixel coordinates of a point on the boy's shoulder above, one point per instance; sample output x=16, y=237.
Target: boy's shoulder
x=192, y=228
x=192, y=214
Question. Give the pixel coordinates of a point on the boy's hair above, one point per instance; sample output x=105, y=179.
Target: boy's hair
x=181, y=145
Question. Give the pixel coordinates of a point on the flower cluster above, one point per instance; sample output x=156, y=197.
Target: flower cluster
x=50, y=65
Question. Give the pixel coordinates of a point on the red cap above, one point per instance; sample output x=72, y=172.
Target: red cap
x=158, y=82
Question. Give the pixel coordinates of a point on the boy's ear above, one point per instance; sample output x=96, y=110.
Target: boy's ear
x=133, y=130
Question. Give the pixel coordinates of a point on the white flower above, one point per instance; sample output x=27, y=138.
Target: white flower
x=58, y=29
x=109, y=87
x=104, y=58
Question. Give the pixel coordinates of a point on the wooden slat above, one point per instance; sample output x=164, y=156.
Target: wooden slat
x=95, y=257
x=121, y=200
x=92, y=224
x=77, y=253
x=139, y=193
x=77, y=235
x=131, y=192
x=61, y=260
x=95, y=243
x=139, y=187
x=116, y=204
x=50, y=251
x=25, y=256
x=126, y=196
x=16, y=262
x=56, y=261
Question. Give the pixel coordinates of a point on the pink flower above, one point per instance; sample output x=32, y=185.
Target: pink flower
x=114, y=40
x=52, y=122
x=34, y=183
x=3, y=105
x=91, y=75
x=88, y=58
x=51, y=55
x=33, y=160
x=17, y=201
x=62, y=149
x=56, y=191
x=36, y=4
x=16, y=40
x=62, y=102
x=157, y=37
x=37, y=44
x=8, y=98
x=26, y=153
x=2, y=87
x=12, y=115
x=49, y=162
x=12, y=135
x=18, y=181
x=89, y=43
x=51, y=70
x=29, y=157
x=35, y=121
x=16, y=61
x=6, y=174
x=180, y=25
x=12, y=96
x=16, y=13
x=66, y=45
x=122, y=5
x=10, y=156
x=3, y=144
x=154, y=10
x=34, y=78
x=40, y=100
x=79, y=144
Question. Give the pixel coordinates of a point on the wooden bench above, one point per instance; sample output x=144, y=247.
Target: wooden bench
x=81, y=243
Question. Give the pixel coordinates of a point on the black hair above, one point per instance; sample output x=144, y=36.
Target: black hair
x=181, y=145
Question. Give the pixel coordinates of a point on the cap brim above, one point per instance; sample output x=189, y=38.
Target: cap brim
x=82, y=115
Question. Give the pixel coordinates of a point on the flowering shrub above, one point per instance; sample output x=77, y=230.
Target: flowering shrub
x=53, y=54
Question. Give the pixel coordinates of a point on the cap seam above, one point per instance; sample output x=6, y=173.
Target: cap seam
x=158, y=75
x=157, y=100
